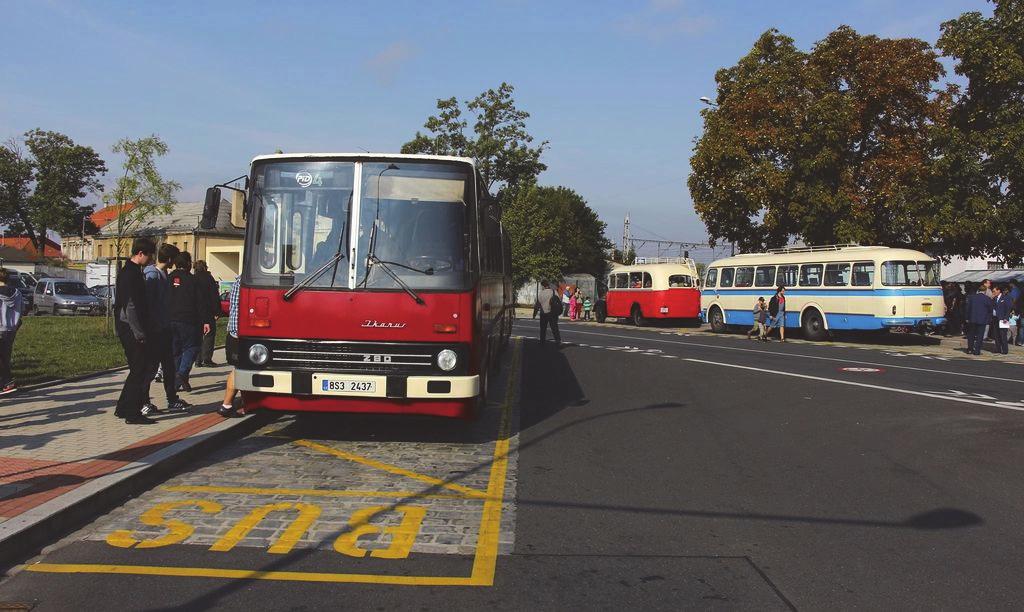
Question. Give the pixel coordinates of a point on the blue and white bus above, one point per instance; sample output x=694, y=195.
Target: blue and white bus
x=841, y=287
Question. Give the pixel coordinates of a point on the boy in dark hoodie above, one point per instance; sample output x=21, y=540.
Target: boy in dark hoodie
x=190, y=313
x=11, y=306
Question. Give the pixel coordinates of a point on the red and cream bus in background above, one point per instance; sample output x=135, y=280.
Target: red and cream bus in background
x=653, y=288
x=370, y=283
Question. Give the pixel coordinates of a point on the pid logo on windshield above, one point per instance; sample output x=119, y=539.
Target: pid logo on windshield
x=304, y=179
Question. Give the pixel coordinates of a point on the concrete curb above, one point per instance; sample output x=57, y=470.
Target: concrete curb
x=24, y=535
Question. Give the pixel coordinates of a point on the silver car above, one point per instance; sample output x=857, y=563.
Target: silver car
x=62, y=296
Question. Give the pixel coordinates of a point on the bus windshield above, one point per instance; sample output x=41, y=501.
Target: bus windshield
x=412, y=220
x=910, y=274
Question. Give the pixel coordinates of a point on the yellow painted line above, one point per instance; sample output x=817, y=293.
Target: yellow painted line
x=387, y=467
x=484, y=562
x=312, y=492
x=210, y=572
x=486, y=559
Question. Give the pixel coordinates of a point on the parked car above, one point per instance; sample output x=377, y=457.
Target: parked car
x=60, y=295
x=22, y=284
x=105, y=294
x=225, y=303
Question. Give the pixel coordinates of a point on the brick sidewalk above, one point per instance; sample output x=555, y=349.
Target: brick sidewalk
x=63, y=440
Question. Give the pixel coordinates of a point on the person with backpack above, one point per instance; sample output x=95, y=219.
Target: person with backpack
x=550, y=305
x=777, y=310
x=190, y=314
x=11, y=308
x=159, y=349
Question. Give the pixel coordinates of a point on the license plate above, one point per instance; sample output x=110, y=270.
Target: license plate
x=926, y=307
x=341, y=385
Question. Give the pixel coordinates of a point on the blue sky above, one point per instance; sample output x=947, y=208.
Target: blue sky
x=614, y=86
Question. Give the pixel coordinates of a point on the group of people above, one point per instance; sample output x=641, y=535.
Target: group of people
x=987, y=311
x=578, y=305
x=769, y=316
x=163, y=319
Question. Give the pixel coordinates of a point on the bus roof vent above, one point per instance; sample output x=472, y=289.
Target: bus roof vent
x=814, y=249
x=686, y=261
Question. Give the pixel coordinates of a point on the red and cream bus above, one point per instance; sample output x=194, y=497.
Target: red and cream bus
x=657, y=288
x=370, y=283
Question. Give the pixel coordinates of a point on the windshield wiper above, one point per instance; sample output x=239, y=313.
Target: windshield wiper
x=302, y=284
x=428, y=271
x=401, y=283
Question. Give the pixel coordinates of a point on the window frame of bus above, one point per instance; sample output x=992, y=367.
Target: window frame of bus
x=781, y=271
x=687, y=281
x=838, y=270
x=711, y=278
x=871, y=274
x=648, y=281
x=803, y=275
x=762, y=283
x=731, y=273
x=622, y=280
x=741, y=279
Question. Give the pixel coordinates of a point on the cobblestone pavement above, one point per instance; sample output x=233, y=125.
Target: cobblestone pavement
x=382, y=486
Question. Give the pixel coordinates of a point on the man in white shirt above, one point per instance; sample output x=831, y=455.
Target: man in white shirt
x=550, y=306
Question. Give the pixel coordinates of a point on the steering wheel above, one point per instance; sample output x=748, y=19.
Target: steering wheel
x=424, y=262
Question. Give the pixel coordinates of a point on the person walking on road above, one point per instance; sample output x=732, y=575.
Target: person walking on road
x=550, y=308
x=757, y=309
x=160, y=349
x=190, y=315
x=208, y=287
x=777, y=310
x=760, y=317
x=1001, y=308
x=131, y=318
x=11, y=308
x=979, y=314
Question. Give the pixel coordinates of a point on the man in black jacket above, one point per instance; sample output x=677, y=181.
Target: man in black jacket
x=189, y=312
x=131, y=320
x=208, y=287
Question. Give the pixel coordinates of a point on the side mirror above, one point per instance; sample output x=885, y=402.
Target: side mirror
x=210, y=209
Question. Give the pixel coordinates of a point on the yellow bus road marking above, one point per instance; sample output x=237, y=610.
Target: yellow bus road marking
x=210, y=572
x=484, y=561
x=315, y=492
x=387, y=467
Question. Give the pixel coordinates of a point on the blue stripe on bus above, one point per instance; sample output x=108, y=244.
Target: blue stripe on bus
x=836, y=320
x=826, y=292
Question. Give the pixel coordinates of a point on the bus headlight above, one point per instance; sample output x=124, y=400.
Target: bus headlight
x=446, y=360
x=259, y=354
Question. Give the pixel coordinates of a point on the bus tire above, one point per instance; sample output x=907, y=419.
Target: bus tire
x=716, y=319
x=600, y=313
x=637, y=316
x=813, y=325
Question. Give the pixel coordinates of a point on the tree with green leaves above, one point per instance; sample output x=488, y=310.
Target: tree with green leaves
x=500, y=143
x=141, y=192
x=43, y=177
x=980, y=154
x=832, y=145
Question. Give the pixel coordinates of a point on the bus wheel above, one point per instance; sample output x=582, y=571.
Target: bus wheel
x=638, y=316
x=600, y=314
x=813, y=325
x=717, y=320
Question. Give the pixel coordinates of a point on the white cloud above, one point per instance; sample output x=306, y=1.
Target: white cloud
x=386, y=64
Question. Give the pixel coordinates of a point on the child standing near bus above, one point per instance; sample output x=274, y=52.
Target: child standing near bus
x=587, y=306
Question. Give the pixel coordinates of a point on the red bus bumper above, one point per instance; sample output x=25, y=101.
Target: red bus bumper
x=302, y=403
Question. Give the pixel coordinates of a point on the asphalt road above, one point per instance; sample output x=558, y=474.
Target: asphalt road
x=650, y=470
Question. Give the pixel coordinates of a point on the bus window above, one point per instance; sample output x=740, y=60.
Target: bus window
x=837, y=275
x=621, y=281
x=648, y=283
x=268, y=252
x=712, y=279
x=810, y=275
x=744, y=277
x=727, y=277
x=909, y=273
x=764, y=276
x=679, y=280
x=635, y=280
x=864, y=274
x=787, y=276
